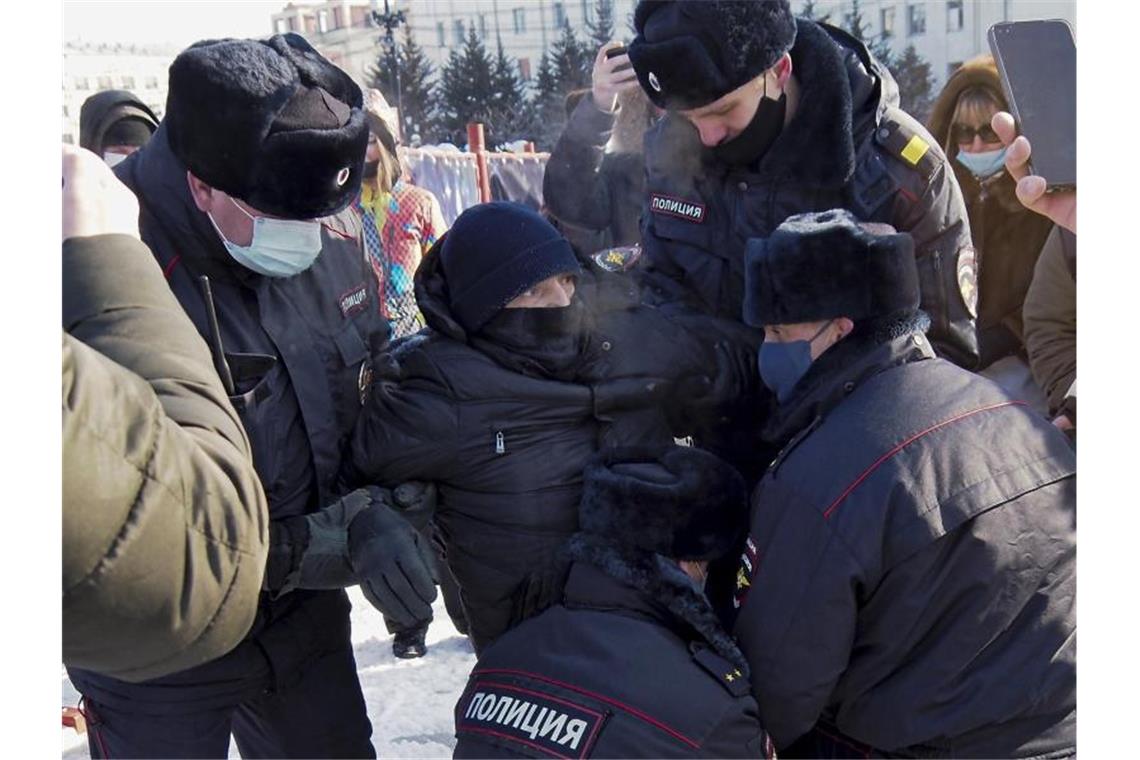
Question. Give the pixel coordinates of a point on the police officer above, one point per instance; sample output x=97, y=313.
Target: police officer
x=768, y=116
x=908, y=583
x=242, y=192
x=632, y=662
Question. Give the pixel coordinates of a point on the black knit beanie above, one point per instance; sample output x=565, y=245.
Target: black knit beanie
x=680, y=502
x=495, y=252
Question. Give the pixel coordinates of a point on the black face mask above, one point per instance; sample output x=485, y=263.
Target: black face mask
x=751, y=144
x=549, y=340
x=371, y=168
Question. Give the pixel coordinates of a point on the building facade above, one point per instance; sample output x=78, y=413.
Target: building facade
x=342, y=30
x=944, y=32
x=89, y=68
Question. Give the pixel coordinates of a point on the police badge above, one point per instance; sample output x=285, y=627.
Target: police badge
x=968, y=279
x=619, y=259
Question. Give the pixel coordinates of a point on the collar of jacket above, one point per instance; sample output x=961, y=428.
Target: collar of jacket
x=835, y=375
x=607, y=576
x=158, y=179
x=839, y=88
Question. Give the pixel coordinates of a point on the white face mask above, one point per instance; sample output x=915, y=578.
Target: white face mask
x=113, y=158
x=280, y=247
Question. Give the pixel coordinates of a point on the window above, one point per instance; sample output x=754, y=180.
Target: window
x=292, y=24
x=887, y=21
x=587, y=11
x=338, y=22
x=128, y=83
x=559, y=15
x=457, y=31
x=280, y=26
x=519, y=15
x=483, y=26
x=81, y=83
x=67, y=138
x=440, y=34
x=104, y=83
x=65, y=113
x=952, y=67
x=524, y=69
x=916, y=19
x=152, y=83
x=322, y=21
x=955, y=17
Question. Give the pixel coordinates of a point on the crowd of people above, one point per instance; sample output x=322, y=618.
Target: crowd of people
x=758, y=439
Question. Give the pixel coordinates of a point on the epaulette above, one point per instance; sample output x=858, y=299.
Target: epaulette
x=723, y=672
x=907, y=145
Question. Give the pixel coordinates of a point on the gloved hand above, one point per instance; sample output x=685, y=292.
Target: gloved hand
x=698, y=401
x=357, y=539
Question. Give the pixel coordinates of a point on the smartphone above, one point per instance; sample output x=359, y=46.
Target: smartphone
x=1037, y=61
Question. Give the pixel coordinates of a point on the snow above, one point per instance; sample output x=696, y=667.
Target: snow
x=410, y=702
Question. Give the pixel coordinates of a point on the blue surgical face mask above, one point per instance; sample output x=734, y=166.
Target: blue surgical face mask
x=984, y=164
x=280, y=247
x=782, y=365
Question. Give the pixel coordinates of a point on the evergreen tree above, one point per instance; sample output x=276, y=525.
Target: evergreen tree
x=601, y=29
x=916, y=83
x=466, y=92
x=416, y=85
x=512, y=115
x=566, y=66
x=809, y=12
x=880, y=45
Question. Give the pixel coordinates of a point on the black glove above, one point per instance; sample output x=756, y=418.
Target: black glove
x=706, y=400
x=358, y=539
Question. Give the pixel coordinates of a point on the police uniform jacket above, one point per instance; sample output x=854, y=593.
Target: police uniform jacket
x=301, y=351
x=909, y=577
x=505, y=441
x=848, y=146
x=631, y=663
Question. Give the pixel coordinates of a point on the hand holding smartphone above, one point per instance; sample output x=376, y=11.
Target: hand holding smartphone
x=1037, y=62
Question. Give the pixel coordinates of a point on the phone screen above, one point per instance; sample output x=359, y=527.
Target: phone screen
x=1037, y=61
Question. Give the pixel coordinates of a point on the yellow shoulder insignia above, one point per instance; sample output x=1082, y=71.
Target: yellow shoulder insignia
x=915, y=149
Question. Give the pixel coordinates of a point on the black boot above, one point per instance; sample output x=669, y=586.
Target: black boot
x=410, y=644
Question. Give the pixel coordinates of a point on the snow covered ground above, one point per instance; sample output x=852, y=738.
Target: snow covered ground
x=409, y=701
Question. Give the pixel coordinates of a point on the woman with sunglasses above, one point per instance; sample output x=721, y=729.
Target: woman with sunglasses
x=1007, y=237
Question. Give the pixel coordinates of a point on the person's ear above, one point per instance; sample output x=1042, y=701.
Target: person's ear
x=783, y=69
x=202, y=193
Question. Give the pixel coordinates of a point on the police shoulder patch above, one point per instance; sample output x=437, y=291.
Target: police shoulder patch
x=533, y=723
x=908, y=145
x=723, y=672
x=353, y=300
x=968, y=279
x=744, y=573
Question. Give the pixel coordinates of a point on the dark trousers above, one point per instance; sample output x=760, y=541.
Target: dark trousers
x=322, y=714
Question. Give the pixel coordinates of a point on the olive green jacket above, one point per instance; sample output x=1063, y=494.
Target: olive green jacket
x=165, y=525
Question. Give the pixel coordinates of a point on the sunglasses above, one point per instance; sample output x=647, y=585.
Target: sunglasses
x=964, y=134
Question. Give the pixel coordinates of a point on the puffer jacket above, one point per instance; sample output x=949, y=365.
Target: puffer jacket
x=506, y=444
x=909, y=578
x=1007, y=236
x=150, y=443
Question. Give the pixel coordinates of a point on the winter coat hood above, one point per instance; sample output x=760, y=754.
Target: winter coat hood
x=100, y=111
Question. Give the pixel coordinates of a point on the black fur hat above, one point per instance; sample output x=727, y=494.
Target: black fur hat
x=270, y=122
x=688, y=53
x=823, y=265
x=677, y=501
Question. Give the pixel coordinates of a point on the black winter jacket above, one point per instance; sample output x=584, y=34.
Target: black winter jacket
x=301, y=350
x=909, y=576
x=594, y=196
x=505, y=443
x=631, y=663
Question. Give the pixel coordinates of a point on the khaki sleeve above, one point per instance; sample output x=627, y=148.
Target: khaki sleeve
x=165, y=524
